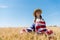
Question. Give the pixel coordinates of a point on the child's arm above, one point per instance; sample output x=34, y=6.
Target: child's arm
x=32, y=28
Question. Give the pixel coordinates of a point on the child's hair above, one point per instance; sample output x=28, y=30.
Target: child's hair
x=37, y=10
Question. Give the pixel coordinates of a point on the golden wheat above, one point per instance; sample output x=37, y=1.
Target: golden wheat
x=14, y=34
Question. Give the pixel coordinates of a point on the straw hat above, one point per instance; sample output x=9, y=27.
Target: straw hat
x=37, y=10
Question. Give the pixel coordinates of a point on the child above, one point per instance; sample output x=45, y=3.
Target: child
x=39, y=25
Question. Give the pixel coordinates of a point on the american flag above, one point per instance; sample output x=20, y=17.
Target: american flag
x=40, y=24
x=39, y=27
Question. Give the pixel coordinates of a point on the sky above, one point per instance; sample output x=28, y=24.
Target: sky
x=14, y=13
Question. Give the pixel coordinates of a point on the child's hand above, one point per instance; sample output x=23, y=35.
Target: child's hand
x=22, y=31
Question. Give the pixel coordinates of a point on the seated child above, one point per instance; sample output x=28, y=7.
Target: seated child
x=39, y=25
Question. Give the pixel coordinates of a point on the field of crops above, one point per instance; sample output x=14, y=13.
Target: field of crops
x=14, y=34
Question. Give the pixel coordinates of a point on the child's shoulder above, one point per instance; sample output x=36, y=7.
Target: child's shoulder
x=42, y=19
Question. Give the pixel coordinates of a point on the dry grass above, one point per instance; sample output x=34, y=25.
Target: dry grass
x=13, y=34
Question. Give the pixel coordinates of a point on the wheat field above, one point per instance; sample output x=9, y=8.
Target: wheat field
x=14, y=34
